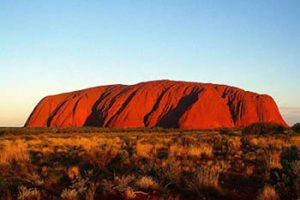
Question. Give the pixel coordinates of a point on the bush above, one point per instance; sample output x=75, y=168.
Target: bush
x=263, y=128
x=227, y=131
x=206, y=179
x=287, y=180
x=296, y=127
x=290, y=155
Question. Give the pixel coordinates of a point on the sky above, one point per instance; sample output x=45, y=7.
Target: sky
x=55, y=46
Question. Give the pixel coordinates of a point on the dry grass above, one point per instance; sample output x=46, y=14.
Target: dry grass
x=69, y=194
x=147, y=183
x=144, y=150
x=207, y=176
x=129, y=193
x=16, y=150
x=126, y=165
x=268, y=193
x=270, y=141
x=28, y=194
x=274, y=159
x=73, y=172
x=193, y=150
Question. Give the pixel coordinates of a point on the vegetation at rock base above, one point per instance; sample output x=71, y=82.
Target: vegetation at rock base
x=96, y=163
x=261, y=128
x=296, y=127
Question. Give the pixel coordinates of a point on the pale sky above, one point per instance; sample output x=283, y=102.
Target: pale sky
x=49, y=47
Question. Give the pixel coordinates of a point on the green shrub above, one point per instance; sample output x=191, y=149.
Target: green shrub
x=262, y=128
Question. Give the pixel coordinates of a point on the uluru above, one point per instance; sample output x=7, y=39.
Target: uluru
x=164, y=103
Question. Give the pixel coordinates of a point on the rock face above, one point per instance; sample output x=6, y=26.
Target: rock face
x=169, y=104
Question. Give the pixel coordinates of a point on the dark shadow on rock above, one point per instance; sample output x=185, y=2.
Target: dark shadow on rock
x=171, y=119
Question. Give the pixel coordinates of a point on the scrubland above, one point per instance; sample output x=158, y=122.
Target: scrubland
x=94, y=163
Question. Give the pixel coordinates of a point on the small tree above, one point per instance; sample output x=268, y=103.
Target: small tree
x=296, y=127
